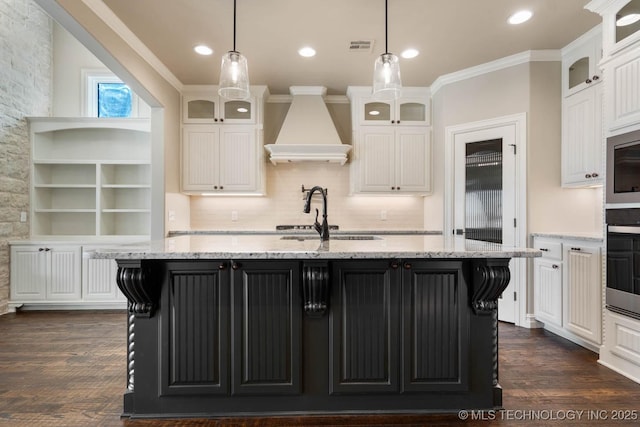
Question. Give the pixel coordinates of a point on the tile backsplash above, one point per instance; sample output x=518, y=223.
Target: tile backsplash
x=284, y=202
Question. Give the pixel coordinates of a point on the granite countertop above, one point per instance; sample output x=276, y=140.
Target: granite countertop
x=174, y=233
x=594, y=237
x=242, y=246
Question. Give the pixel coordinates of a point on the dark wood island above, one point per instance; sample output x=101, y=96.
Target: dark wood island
x=265, y=325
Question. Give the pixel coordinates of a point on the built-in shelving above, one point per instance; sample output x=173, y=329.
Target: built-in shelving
x=90, y=177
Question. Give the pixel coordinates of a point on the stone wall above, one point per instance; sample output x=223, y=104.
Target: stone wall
x=25, y=90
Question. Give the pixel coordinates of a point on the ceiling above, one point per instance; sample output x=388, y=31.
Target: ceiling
x=451, y=35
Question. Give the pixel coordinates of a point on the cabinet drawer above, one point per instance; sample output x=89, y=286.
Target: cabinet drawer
x=550, y=249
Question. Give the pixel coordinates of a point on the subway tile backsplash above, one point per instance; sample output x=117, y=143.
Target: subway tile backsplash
x=284, y=201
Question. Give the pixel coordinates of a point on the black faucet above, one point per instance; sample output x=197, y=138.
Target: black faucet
x=323, y=229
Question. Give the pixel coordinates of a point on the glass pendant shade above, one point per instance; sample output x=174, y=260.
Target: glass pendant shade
x=234, y=76
x=387, y=83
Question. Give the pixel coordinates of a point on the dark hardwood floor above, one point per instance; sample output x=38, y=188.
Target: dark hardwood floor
x=68, y=369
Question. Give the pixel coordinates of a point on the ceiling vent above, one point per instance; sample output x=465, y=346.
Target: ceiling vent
x=361, y=46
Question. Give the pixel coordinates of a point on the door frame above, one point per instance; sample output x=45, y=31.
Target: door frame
x=519, y=123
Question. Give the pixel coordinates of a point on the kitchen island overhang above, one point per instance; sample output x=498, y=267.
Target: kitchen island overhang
x=260, y=325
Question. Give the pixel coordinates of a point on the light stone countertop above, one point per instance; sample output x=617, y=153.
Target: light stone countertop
x=174, y=233
x=242, y=246
x=592, y=237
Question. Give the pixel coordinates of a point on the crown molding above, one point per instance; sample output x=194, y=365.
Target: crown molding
x=551, y=55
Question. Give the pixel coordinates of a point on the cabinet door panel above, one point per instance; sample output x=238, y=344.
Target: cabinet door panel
x=364, y=328
x=238, y=164
x=200, y=157
x=377, y=159
x=195, y=361
x=266, y=328
x=435, y=327
x=583, y=315
x=64, y=281
x=29, y=273
x=99, y=280
x=548, y=291
x=579, y=149
x=413, y=153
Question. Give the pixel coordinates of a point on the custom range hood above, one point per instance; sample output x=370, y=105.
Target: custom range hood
x=308, y=132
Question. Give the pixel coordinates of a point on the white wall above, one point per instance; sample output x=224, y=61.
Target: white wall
x=532, y=88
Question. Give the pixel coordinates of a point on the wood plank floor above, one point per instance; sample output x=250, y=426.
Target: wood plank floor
x=68, y=369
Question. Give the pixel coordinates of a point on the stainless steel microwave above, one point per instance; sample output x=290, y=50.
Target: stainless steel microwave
x=623, y=168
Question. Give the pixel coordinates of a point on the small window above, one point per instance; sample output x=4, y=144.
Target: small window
x=114, y=100
x=105, y=95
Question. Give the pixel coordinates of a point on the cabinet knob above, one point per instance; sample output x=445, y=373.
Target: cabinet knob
x=222, y=266
x=221, y=187
x=215, y=187
x=407, y=265
x=588, y=175
x=587, y=81
x=544, y=249
x=394, y=264
x=393, y=188
x=393, y=121
x=594, y=175
x=398, y=121
x=596, y=77
x=215, y=119
x=222, y=120
x=576, y=249
x=40, y=249
x=236, y=265
x=554, y=266
x=397, y=188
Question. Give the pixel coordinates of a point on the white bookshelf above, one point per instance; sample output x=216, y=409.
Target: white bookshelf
x=90, y=177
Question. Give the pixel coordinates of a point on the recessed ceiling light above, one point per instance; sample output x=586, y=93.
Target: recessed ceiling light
x=203, y=50
x=307, y=52
x=629, y=19
x=520, y=17
x=409, y=53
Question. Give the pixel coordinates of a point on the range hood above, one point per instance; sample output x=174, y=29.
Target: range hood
x=308, y=132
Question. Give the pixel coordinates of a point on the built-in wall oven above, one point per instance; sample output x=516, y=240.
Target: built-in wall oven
x=623, y=261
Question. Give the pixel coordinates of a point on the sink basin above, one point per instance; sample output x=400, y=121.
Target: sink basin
x=302, y=238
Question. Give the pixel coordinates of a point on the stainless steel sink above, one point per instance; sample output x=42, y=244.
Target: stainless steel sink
x=339, y=237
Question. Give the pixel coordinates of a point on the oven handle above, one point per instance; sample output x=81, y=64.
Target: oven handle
x=624, y=229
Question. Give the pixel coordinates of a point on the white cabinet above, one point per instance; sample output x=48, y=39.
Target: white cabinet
x=393, y=160
x=620, y=64
x=582, y=138
x=90, y=177
x=205, y=106
x=221, y=159
x=392, y=144
x=412, y=108
x=45, y=273
x=222, y=148
x=622, y=86
x=548, y=283
x=580, y=63
x=567, y=282
x=62, y=276
x=583, y=291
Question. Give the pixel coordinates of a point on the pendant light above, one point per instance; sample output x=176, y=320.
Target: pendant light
x=234, y=73
x=386, y=70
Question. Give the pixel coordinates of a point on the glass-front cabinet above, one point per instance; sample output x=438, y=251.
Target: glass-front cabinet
x=210, y=108
x=410, y=109
x=580, y=62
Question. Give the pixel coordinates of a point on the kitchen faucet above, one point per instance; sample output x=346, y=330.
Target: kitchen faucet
x=323, y=229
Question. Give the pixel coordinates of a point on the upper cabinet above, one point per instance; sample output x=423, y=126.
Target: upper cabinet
x=580, y=63
x=201, y=104
x=222, y=143
x=413, y=108
x=620, y=63
x=620, y=24
x=393, y=157
x=582, y=136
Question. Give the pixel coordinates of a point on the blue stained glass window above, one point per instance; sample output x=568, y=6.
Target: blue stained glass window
x=114, y=100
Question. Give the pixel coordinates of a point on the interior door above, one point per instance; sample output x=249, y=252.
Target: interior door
x=485, y=199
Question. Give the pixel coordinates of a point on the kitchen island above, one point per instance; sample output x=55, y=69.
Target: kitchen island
x=241, y=325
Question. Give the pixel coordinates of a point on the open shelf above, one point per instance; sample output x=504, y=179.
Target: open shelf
x=90, y=177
